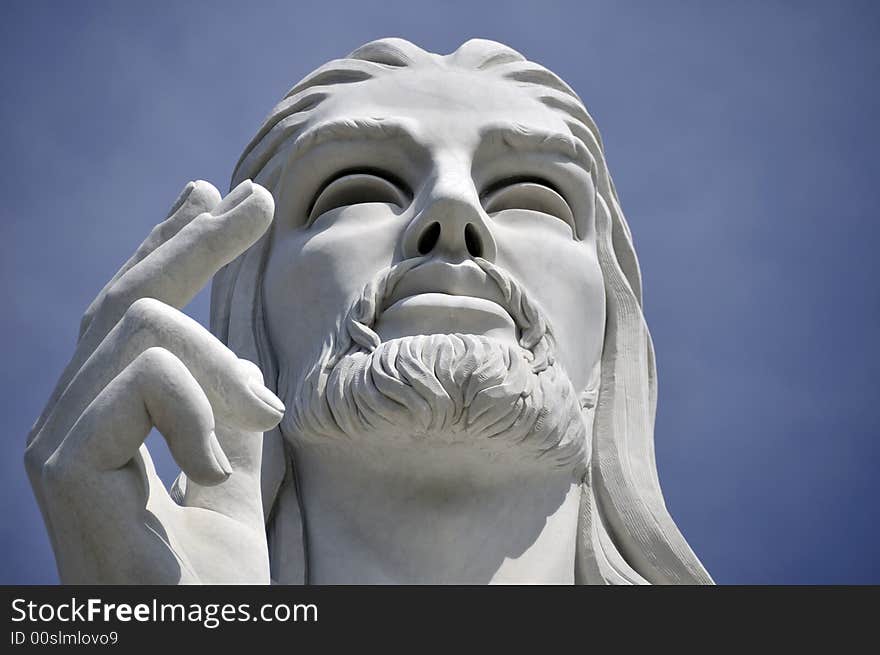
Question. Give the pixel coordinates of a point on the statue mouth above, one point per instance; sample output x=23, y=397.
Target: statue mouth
x=439, y=277
x=441, y=313
x=439, y=297
x=426, y=296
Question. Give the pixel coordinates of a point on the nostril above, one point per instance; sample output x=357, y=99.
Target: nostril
x=429, y=238
x=472, y=241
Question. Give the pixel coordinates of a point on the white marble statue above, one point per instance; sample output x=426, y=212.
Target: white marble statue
x=424, y=258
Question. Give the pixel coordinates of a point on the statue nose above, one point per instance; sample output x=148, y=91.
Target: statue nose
x=455, y=228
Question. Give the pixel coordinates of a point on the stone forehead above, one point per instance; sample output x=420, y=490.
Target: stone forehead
x=403, y=62
x=448, y=95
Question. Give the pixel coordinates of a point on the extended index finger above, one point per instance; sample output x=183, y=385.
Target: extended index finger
x=176, y=270
x=196, y=198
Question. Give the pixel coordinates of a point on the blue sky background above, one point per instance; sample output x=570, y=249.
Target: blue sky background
x=743, y=139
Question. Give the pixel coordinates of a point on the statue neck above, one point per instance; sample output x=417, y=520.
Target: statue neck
x=434, y=516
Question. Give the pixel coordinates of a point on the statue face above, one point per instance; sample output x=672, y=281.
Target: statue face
x=448, y=165
x=441, y=159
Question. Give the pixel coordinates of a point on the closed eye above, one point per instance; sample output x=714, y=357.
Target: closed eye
x=356, y=187
x=533, y=194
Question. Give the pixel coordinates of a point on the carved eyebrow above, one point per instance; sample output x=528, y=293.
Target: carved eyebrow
x=354, y=129
x=523, y=137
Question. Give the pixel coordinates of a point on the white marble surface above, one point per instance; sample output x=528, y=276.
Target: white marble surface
x=424, y=258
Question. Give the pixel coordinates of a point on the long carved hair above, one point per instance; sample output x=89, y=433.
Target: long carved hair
x=625, y=533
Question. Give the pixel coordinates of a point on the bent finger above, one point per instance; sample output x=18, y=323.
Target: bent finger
x=234, y=394
x=155, y=390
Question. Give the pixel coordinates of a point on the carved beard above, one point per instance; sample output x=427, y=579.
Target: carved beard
x=441, y=390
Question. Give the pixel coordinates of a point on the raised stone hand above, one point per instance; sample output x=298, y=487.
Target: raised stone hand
x=139, y=363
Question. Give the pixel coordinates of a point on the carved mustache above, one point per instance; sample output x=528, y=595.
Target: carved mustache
x=477, y=277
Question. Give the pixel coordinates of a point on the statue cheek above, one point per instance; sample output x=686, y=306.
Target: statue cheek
x=315, y=273
x=358, y=239
x=564, y=278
